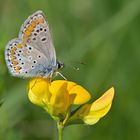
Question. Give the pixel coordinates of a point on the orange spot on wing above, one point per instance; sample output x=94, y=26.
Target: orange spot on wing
x=13, y=58
x=41, y=20
x=19, y=46
x=27, y=33
x=33, y=24
x=14, y=63
x=12, y=52
x=24, y=38
x=30, y=28
x=14, y=49
x=17, y=69
x=37, y=22
x=23, y=45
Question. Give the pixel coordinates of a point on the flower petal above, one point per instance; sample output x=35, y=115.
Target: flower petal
x=55, y=85
x=78, y=94
x=38, y=91
x=99, y=108
x=90, y=120
x=103, y=101
x=94, y=116
x=91, y=113
x=59, y=101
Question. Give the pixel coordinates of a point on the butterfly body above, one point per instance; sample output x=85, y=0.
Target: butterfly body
x=32, y=54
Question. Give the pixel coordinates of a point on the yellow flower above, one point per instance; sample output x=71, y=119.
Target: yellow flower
x=91, y=113
x=57, y=98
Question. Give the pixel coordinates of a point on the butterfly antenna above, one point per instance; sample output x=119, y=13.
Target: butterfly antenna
x=72, y=65
x=61, y=75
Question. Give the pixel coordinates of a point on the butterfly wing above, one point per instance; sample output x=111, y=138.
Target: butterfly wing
x=25, y=61
x=33, y=53
x=35, y=32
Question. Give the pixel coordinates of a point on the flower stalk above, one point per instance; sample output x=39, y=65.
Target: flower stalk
x=60, y=128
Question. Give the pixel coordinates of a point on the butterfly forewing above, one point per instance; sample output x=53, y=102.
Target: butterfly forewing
x=35, y=32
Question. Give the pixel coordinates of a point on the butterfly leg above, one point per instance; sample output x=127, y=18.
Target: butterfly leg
x=61, y=75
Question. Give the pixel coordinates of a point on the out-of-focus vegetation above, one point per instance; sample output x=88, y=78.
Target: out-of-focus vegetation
x=102, y=34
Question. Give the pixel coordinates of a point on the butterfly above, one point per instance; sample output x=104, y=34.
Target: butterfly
x=32, y=54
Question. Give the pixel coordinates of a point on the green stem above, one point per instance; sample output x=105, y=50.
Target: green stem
x=66, y=118
x=60, y=130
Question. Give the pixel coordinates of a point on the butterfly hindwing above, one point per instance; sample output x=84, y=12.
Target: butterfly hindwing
x=23, y=60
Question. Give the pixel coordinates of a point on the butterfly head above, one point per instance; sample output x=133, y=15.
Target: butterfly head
x=60, y=65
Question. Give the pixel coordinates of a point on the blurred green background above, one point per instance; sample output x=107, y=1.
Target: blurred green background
x=102, y=34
